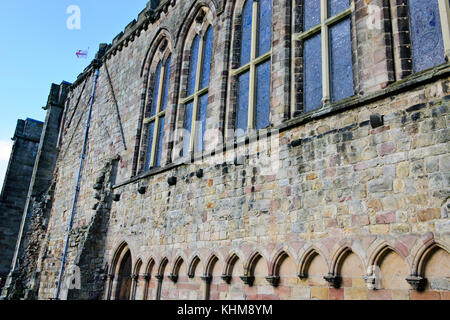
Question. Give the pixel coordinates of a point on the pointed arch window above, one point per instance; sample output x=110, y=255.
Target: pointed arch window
x=254, y=68
x=327, y=53
x=196, y=100
x=155, y=119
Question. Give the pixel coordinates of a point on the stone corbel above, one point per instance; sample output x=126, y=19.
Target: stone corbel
x=371, y=281
x=274, y=281
x=173, y=278
x=207, y=278
x=147, y=277
x=248, y=280
x=334, y=280
x=226, y=278
x=417, y=282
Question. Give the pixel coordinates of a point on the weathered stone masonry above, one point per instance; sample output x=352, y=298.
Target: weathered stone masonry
x=357, y=210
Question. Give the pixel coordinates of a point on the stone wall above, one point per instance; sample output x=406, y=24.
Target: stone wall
x=359, y=200
x=15, y=188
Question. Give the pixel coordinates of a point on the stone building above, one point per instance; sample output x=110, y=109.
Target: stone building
x=254, y=149
x=15, y=188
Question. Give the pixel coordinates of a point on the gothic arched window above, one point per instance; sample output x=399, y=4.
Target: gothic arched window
x=253, y=74
x=196, y=100
x=324, y=28
x=155, y=115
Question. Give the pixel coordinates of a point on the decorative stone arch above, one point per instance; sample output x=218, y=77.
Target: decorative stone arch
x=305, y=258
x=229, y=265
x=190, y=19
x=161, y=35
x=160, y=276
x=210, y=264
x=147, y=276
x=178, y=262
x=340, y=254
x=135, y=277
x=194, y=263
x=378, y=251
x=278, y=257
x=422, y=256
x=253, y=259
x=119, y=287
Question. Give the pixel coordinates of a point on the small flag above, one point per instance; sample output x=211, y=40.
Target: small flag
x=82, y=54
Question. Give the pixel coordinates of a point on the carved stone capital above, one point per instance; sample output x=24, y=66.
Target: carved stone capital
x=274, y=281
x=334, y=280
x=159, y=277
x=173, y=278
x=110, y=277
x=207, y=278
x=371, y=282
x=226, y=278
x=417, y=282
x=302, y=276
x=134, y=277
x=248, y=280
x=147, y=277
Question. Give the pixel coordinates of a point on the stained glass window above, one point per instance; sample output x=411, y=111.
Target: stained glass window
x=262, y=95
x=311, y=16
x=196, y=101
x=157, y=114
x=206, y=68
x=426, y=34
x=193, y=65
x=247, y=17
x=341, y=61
x=327, y=49
x=242, y=107
x=313, y=73
x=254, y=74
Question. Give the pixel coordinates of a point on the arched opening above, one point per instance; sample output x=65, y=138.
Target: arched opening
x=394, y=272
x=437, y=270
x=124, y=278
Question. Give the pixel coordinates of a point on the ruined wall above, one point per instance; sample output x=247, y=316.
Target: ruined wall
x=15, y=188
x=349, y=193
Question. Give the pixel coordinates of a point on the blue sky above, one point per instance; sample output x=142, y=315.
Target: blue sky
x=37, y=49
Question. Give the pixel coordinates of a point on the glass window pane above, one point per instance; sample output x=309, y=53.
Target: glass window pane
x=313, y=73
x=187, y=128
x=159, y=143
x=155, y=89
x=193, y=65
x=265, y=27
x=426, y=34
x=166, y=84
x=246, y=39
x=311, y=14
x=201, y=124
x=150, y=144
x=341, y=61
x=206, y=68
x=337, y=6
x=242, y=104
x=262, y=95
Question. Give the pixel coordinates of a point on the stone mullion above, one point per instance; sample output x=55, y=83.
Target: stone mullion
x=252, y=84
x=196, y=96
x=158, y=115
x=326, y=91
